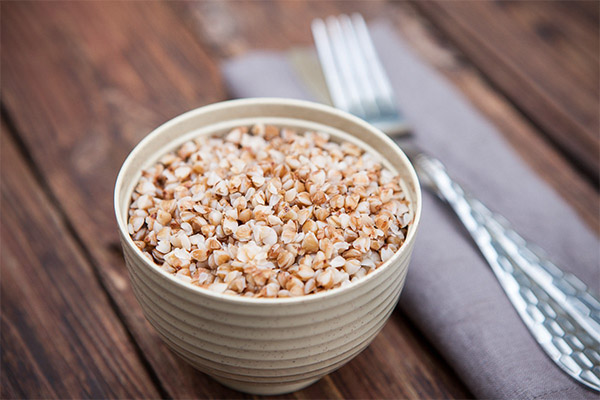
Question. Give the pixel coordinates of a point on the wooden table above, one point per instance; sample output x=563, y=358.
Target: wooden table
x=83, y=82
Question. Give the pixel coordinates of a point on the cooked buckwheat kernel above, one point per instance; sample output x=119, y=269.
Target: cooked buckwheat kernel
x=268, y=212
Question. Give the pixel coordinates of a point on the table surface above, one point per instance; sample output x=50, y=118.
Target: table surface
x=82, y=82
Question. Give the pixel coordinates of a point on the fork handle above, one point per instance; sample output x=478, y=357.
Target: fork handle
x=558, y=309
x=394, y=127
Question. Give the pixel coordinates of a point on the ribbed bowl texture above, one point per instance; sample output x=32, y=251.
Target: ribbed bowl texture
x=265, y=346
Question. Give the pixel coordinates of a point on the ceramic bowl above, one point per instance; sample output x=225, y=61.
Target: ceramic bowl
x=255, y=345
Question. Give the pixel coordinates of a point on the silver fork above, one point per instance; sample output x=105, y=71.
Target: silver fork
x=558, y=309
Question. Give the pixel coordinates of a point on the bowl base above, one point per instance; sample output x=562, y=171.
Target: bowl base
x=265, y=389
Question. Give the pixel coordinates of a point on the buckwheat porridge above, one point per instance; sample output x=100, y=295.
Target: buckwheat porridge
x=268, y=212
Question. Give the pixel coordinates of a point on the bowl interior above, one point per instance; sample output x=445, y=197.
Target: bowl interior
x=220, y=118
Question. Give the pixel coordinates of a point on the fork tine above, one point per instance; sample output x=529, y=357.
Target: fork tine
x=344, y=65
x=359, y=68
x=382, y=85
x=326, y=56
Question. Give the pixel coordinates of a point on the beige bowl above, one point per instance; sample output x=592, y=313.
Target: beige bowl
x=265, y=346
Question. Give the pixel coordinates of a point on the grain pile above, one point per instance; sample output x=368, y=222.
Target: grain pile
x=268, y=212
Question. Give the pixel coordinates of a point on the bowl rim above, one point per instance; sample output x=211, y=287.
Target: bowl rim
x=264, y=301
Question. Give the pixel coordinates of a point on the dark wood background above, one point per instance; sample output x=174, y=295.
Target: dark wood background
x=82, y=82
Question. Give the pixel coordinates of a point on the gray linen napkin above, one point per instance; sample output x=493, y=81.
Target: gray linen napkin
x=451, y=293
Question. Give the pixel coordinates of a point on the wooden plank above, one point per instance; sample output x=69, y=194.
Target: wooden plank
x=116, y=71
x=85, y=82
x=60, y=337
x=543, y=57
x=544, y=158
x=263, y=24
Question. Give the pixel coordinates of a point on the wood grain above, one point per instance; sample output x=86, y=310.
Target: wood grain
x=544, y=59
x=60, y=337
x=527, y=140
x=263, y=24
x=117, y=70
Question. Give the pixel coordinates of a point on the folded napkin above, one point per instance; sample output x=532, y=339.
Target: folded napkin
x=451, y=293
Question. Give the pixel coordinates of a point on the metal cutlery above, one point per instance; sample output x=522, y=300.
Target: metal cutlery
x=558, y=309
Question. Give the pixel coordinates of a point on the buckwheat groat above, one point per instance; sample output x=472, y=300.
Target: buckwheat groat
x=268, y=212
